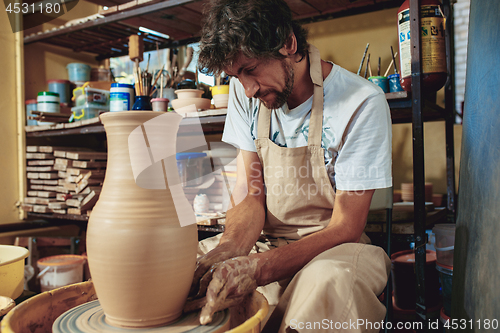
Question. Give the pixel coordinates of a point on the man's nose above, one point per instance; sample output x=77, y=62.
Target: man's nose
x=251, y=87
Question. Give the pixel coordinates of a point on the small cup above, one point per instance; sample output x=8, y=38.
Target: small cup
x=394, y=84
x=160, y=104
x=380, y=81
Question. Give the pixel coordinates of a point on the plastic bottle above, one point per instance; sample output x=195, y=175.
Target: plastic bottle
x=433, y=47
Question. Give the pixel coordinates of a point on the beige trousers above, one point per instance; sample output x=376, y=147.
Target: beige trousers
x=336, y=292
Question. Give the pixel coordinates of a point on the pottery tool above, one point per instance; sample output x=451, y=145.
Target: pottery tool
x=135, y=53
x=394, y=60
x=363, y=59
x=390, y=65
x=187, y=61
x=378, y=67
x=367, y=65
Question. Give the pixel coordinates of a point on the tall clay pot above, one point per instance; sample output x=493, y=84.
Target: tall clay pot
x=141, y=260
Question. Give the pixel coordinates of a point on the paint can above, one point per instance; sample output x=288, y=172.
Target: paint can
x=78, y=72
x=47, y=101
x=121, y=97
x=380, y=81
x=62, y=87
x=31, y=105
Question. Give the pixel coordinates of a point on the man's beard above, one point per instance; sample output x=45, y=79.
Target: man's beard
x=281, y=96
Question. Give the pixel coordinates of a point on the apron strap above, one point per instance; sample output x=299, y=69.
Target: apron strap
x=316, y=118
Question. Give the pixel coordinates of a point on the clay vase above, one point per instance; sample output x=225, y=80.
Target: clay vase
x=141, y=259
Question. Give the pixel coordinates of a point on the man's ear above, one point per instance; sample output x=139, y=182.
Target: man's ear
x=290, y=47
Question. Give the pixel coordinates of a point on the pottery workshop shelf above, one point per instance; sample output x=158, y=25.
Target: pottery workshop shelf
x=106, y=34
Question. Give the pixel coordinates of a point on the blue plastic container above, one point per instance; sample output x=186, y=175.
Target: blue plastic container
x=62, y=87
x=78, y=72
x=394, y=84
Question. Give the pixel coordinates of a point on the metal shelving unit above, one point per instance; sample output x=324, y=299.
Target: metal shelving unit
x=181, y=19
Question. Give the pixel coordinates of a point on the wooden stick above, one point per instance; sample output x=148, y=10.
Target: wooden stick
x=363, y=59
x=394, y=60
x=390, y=65
x=367, y=63
x=378, y=67
x=369, y=66
x=160, y=73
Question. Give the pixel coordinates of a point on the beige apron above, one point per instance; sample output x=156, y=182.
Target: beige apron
x=339, y=287
x=299, y=196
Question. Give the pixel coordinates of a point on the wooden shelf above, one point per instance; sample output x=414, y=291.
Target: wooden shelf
x=107, y=34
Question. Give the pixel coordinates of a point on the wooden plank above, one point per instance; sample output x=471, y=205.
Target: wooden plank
x=91, y=156
x=89, y=189
x=39, y=156
x=62, y=189
x=49, y=149
x=31, y=149
x=40, y=168
x=29, y=200
x=89, y=201
x=40, y=209
x=36, y=187
x=44, y=201
x=62, y=152
x=27, y=207
x=36, y=181
x=57, y=205
x=46, y=175
x=88, y=164
x=32, y=175
x=58, y=211
x=46, y=194
x=62, y=161
x=50, y=188
x=32, y=193
x=62, y=174
x=60, y=167
x=40, y=162
x=74, y=211
x=93, y=174
x=50, y=182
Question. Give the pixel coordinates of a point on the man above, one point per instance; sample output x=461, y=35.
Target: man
x=314, y=142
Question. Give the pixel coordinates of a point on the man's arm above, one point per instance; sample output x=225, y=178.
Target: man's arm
x=244, y=221
x=346, y=226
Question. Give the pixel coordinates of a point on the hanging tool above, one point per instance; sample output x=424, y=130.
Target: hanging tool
x=187, y=61
x=135, y=53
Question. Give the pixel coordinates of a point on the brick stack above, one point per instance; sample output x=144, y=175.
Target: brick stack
x=63, y=180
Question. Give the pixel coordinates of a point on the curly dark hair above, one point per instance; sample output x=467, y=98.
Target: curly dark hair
x=257, y=28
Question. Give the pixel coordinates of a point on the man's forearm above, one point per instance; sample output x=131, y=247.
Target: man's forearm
x=244, y=223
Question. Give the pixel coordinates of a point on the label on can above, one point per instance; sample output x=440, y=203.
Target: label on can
x=432, y=33
x=119, y=101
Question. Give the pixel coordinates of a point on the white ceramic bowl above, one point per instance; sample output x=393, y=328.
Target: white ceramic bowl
x=188, y=93
x=200, y=104
x=220, y=100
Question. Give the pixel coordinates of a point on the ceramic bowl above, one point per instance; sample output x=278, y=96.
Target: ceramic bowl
x=200, y=103
x=188, y=93
x=220, y=101
x=12, y=270
x=217, y=90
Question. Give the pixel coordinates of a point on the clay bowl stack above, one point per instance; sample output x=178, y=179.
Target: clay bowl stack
x=187, y=97
x=220, y=95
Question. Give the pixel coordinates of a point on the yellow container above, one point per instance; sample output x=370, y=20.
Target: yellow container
x=12, y=270
x=217, y=90
x=42, y=310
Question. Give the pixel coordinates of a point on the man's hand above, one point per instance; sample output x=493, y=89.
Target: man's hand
x=232, y=280
x=205, y=266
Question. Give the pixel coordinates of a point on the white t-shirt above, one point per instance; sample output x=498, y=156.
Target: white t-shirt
x=357, y=135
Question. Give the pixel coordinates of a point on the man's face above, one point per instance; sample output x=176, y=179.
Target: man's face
x=269, y=80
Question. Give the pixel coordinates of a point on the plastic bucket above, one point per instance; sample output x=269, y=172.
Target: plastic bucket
x=59, y=271
x=62, y=87
x=446, y=278
x=403, y=277
x=78, y=72
x=445, y=243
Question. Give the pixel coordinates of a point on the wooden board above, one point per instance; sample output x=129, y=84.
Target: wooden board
x=40, y=162
x=39, y=156
x=88, y=164
x=90, y=156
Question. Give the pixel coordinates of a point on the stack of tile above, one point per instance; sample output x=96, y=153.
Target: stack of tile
x=63, y=180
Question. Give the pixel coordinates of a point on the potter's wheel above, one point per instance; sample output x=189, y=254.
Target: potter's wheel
x=89, y=318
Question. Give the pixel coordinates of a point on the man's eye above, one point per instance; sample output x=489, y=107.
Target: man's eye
x=251, y=69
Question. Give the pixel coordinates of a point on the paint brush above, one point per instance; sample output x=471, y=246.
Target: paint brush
x=378, y=67
x=390, y=65
x=394, y=60
x=367, y=65
x=363, y=59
